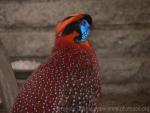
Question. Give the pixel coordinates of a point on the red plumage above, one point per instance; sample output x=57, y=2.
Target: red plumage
x=67, y=82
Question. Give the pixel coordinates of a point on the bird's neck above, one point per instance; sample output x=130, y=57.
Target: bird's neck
x=68, y=41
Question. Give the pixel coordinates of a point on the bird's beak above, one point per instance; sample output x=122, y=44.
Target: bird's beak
x=93, y=27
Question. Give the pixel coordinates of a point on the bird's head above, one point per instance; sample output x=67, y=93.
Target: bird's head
x=74, y=29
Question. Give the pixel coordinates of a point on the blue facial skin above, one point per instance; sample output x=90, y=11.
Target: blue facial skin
x=85, y=30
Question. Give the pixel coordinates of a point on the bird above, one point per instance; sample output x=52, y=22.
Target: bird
x=68, y=81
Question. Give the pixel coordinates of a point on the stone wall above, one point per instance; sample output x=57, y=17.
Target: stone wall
x=121, y=38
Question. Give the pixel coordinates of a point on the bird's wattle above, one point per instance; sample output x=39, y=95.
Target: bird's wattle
x=84, y=29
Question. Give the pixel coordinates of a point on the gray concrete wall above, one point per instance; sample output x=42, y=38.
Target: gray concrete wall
x=122, y=37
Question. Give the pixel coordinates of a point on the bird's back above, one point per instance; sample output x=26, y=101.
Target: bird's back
x=67, y=82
